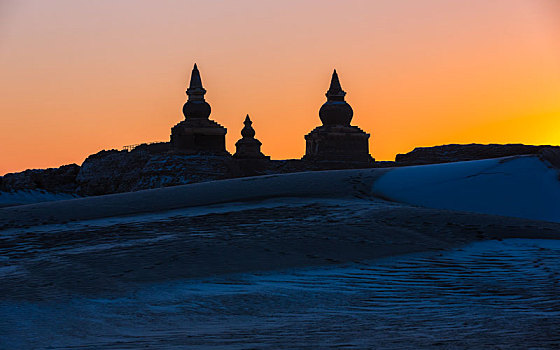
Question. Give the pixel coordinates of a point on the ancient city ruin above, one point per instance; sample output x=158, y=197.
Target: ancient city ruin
x=334, y=141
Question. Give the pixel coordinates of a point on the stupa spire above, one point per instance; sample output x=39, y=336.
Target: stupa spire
x=195, y=90
x=248, y=131
x=335, y=92
x=196, y=106
x=335, y=111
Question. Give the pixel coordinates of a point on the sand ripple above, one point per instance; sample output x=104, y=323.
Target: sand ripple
x=493, y=294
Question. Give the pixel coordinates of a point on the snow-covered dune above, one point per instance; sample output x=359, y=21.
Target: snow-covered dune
x=30, y=196
x=523, y=186
x=290, y=260
x=325, y=184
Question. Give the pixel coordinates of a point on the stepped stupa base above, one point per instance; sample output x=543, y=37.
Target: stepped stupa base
x=249, y=149
x=338, y=143
x=195, y=135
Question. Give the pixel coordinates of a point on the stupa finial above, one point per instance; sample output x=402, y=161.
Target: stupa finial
x=195, y=90
x=248, y=131
x=196, y=106
x=336, y=111
x=335, y=92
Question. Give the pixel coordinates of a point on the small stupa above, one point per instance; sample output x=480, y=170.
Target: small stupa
x=248, y=147
x=197, y=133
x=337, y=140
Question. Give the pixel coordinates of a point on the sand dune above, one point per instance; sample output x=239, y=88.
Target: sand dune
x=326, y=184
x=80, y=269
x=522, y=186
x=8, y=199
x=516, y=186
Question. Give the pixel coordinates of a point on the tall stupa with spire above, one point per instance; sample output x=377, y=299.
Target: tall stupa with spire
x=198, y=133
x=336, y=140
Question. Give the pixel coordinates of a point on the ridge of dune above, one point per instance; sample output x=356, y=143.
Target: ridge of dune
x=520, y=186
x=337, y=183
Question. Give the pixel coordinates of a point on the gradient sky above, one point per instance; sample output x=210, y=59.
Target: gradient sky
x=80, y=76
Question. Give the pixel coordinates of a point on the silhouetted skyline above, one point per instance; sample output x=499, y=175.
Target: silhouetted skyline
x=79, y=77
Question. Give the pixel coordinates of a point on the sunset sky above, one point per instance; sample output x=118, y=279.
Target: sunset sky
x=81, y=76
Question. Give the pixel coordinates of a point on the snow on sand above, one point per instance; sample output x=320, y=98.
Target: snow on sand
x=323, y=184
x=8, y=199
x=523, y=187
x=161, y=267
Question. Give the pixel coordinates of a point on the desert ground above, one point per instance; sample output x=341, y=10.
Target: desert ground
x=335, y=259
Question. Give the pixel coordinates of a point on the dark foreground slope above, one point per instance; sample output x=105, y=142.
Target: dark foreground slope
x=156, y=166
x=98, y=257
x=103, y=243
x=288, y=261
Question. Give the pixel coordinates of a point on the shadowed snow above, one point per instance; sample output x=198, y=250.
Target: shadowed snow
x=31, y=196
x=524, y=187
x=288, y=261
x=486, y=295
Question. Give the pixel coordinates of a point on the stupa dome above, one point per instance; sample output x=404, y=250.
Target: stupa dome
x=196, y=106
x=336, y=111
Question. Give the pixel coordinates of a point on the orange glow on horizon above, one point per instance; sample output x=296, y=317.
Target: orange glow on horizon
x=79, y=76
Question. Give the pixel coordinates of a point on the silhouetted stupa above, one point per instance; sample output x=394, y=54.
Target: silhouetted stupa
x=336, y=139
x=248, y=147
x=197, y=133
